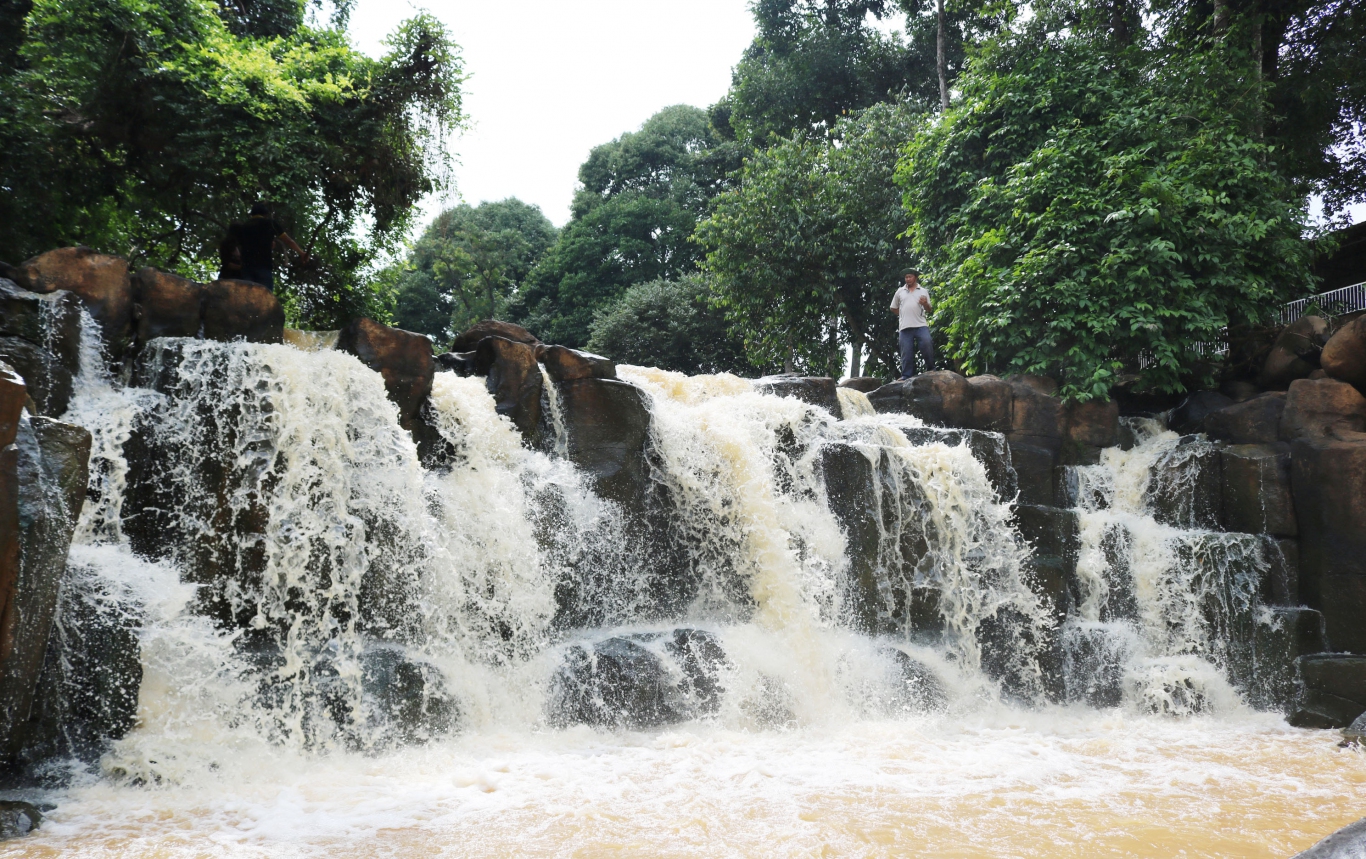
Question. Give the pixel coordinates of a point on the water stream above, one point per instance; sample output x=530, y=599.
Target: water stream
x=344, y=653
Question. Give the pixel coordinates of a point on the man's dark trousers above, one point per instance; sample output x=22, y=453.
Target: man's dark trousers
x=913, y=340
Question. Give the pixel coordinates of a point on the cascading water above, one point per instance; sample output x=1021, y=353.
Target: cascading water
x=826, y=621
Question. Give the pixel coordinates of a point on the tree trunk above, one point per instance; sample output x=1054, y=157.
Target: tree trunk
x=856, y=358
x=1219, y=21
x=941, y=61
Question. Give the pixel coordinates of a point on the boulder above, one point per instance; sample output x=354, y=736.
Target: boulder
x=566, y=365
x=1035, y=415
x=988, y=448
x=1322, y=407
x=402, y=358
x=608, y=427
x=992, y=402
x=1295, y=353
x=1327, y=478
x=1239, y=390
x=1090, y=427
x=53, y=469
x=939, y=398
x=18, y=818
x=165, y=305
x=623, y=681
x=917, y=688
x=1334, y=690
x=1039, y=384
x=514, y=379
x=1186, y=486
x=1189, y=417
x=406, y=699
x=1254, y=420
x=863, y=384
x=1257, y=496
x=101, y=281
x=40, y=336
x=459, y=363
x=817, y=391
x=242, y=310
x=1269, y=679
x=311, y=341
x=1344, y=356
x=1035, y=461
x=469, y=340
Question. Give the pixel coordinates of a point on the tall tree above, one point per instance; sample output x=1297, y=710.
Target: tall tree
x=805, y=252
x=145, y=127
x=632, y=220
x=468, y=264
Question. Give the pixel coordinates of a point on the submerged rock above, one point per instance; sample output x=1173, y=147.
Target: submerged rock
x=918, y=688
x=18, y=818
x=641, y=680
x=817, y=391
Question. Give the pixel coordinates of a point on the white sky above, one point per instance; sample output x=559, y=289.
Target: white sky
x=551, y=80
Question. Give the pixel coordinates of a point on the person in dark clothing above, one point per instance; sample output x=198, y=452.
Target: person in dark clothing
x=255, y=241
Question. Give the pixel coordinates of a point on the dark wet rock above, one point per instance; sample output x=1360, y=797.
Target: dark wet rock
x=1038, y=428
x=992, y=403
x=850, y=480
x=1344, y=356
x=1349, y=842
x=241, y=310
x=1189, y=417
x=918, y=688
x=863, y=384
x=514, y=379
x=1186, y=487
x=407, y=699
x=1094, y=658
x=101, y=281
x=1035, y=463
x=1269, y=680
x=13, y=394
x=608, y=426
x=624, y=682
x=1295, y=353
x=1239, y=390
x=1356, y=732
x=1282, y=583
x=87, y=694
x=1327, y=476
x=1334, y=690
x=988, y=448
x=402, y=358
x=1053, y=535
x=940, y=398
x=165, y=305
x=1255, y=420
x=18, y=818
x=1257, y=497
x=459, y=363
x=40, y=336
x=817, y=391
x=52, y=460
x=469, y=340
x=1322, y=407
x=567, y=365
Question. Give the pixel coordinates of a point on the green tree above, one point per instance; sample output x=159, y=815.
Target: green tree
x=1090, y=200
x=146, y=127
x=468, y=264
x=670, y=324
x=631, y=221
x=805, y=253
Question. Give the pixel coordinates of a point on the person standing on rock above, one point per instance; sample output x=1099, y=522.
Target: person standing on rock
x=255, y=241
x=911, y=304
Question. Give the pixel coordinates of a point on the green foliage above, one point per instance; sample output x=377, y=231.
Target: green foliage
x=1083, y=205
x=146, y=127
x=468, y=264
x=669, y=324
x=631, y=221
x=805, y=252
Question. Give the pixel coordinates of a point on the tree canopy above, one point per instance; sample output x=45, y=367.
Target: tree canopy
x=632, y=221
x=146, y=127
x=467, y=265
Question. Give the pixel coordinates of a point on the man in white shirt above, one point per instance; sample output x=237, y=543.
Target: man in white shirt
x=911, y=303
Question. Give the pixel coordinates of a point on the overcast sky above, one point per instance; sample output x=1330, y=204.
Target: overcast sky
x=551, y=80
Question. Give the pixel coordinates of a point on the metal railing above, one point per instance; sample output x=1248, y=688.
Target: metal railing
x=1333, y=303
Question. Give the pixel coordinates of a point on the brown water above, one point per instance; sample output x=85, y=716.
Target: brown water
x=1054, y=783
